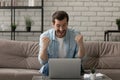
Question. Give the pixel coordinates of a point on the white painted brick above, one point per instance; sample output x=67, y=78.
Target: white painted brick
x=6, y=34
x=111, y=9
x=2, y=10
x=25, y=34
x=65, y=8
x=1, y=13
x=116, y=14
x=53, y=0
x=71, y=0
x=80, y=18
x=86, y=38
x=74, y=13
x=75, y=3
x=7, y=13
x=88, y=33
x=37, y=23
x=114, y=24
x=95, y=29
x=1, y=34
x=114, y=0
x=37, y=14
x=5, y=37
x=6, y=19
x=88, y=13
x=104, y=24
x=108, y=28
x=97, y=38
x=96, y=18
x=96, y=9
x=74, y=23
x=82, y=28
x=91, y=17
x=100, y=33
x=33, y=39
x=90, y=4
x=102, y=4
x=50, y=8
x=37, y=33
x=100, y=0
x=48, y=3
x=46, y=28
x=88, y=24
x=21, y=38
x=80, y=8
x=104, y=14
x=36, y=28
x=110, y=18
x=60, y=4
x=48, y=19
x=83, y=0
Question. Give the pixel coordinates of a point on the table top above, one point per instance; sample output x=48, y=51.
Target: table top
x=105, y=77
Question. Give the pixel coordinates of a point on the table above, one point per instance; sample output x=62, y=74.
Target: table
x=46, y=78
x=106, y=34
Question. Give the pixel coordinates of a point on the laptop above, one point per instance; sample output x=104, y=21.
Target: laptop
x=64, y=68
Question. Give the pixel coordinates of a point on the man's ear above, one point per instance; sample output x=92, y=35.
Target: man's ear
x=53, y=23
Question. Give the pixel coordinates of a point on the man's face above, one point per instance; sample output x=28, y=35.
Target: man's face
x=60, y=27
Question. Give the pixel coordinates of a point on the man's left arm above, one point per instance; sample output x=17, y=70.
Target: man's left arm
x=81, y=49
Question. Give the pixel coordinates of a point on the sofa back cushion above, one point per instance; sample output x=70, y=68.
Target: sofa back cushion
x=19, y=54
x=102, y=55
x=109, y=55
x=91, y=54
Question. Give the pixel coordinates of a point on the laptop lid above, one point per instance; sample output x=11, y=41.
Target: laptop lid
x=64, y=68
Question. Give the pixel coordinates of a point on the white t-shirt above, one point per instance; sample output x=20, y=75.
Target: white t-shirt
x=61, y=50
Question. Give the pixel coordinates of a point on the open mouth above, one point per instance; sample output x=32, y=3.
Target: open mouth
x=60, y=33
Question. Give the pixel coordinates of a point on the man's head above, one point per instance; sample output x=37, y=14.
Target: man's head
x=60, y=23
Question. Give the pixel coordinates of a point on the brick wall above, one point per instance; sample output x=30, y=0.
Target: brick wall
x=90, y=17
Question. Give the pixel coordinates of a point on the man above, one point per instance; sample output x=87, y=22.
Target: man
x=59, y=42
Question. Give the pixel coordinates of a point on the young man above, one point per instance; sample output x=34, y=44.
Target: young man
x=59, y=42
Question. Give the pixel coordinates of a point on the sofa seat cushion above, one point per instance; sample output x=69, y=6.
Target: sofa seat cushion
x=114, y=74
x=17, y=74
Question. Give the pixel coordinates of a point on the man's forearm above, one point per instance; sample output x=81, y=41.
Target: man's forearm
x=43, y=55
x=81, y=50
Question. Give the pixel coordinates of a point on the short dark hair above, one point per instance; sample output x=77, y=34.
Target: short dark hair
x=60, y=15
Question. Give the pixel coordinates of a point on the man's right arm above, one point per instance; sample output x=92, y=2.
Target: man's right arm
x=43, y=49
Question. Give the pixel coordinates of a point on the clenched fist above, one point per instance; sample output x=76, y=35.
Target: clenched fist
x=45, y=42
x=81, y=49
x=79, y=39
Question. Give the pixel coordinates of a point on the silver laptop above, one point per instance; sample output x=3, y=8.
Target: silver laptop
x=64, y=68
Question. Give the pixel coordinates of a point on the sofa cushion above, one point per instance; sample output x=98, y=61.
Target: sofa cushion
x=102, y=55
x=109, y=55
x=19, y=54
x=17, y=74
x=91, y=54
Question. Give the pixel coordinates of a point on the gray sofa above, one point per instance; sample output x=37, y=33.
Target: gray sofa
x=105, y=56
x=19, y=61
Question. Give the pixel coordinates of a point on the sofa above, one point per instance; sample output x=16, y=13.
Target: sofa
x=19, y=59
x=104, y=56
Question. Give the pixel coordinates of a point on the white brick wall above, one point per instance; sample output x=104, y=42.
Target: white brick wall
x=91, y=17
